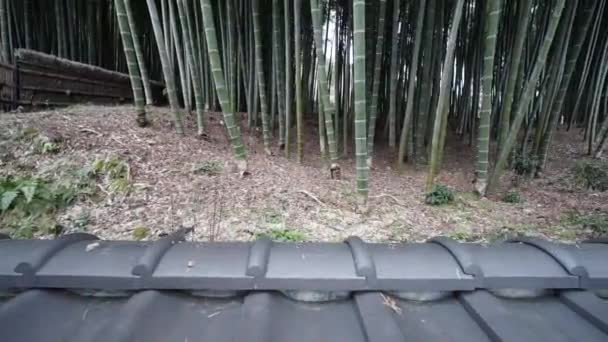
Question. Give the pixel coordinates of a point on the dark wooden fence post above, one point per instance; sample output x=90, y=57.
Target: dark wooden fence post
x=17, y=83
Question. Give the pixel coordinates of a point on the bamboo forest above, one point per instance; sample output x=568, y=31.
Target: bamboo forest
x=392, y=102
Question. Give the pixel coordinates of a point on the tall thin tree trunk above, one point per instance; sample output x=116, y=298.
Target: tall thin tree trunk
x=516, y=54
x=573, y=53
x=27, y=8
x=143, y=68
x=360, y=99
x=444, y=94
x=392, y=112
x=178, y=50
x=259, y=66
x=527, y=94
x=5, y=53
x=298, y=80
x=323, y=85
x=278, y=68
x=192, y=66
x=166, y=67
x=127, y=42
x=288, y=77
x=373, y=108
x=234, y=132
x=426, y=80
x=409, y=110
x=492, y=18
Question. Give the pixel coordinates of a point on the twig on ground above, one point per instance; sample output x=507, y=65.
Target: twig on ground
x=118, y=141
x=391, y=303
x=313, y=197
x=92, y=131
x=389, y=196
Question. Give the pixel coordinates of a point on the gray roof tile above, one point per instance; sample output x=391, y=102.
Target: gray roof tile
x=87, y=290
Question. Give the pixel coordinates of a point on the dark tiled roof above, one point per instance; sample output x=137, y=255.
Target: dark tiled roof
x=78, y=288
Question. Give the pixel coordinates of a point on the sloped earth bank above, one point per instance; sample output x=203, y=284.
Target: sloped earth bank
x=187, y=181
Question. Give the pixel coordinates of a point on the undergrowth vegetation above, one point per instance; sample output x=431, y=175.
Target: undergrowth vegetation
x=592, y=224
x=208, y=168
x=440, y=195
x=592, y=174
x=524, y=165
x=284, y=235
x=30, y=204
x=512, y=197
x=114, y=172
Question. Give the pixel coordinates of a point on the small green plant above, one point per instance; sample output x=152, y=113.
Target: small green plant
x=462, y=236
x=28, y=133
x=50, y=148
x=592, y=174
x=140, y=233
x=33, y=194
x=595, y=223
x=524, y=165
x=208, y=168
x=29, y=204
x=440, y=195
x=513, y=197
x=284, y=235
x=81, y=221
x=115, y=172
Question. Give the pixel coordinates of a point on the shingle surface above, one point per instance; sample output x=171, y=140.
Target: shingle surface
x=83, y=293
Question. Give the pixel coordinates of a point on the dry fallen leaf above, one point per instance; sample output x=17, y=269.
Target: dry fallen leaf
x=92, y=246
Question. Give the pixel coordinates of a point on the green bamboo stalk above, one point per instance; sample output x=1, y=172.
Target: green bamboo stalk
x=409, y=110
x=192, y=66
x=5, y=53
x=443, y=99
x=234, y=133
x=27, y=9
x=527, y=94
x=127, y=42
x=373, y=108
x=178, y=50
x=278, y=68
x=143, y=69
x=394, y=73
x=298, y=80
x=166, y=67
x=426, y=80
x=514, y=67
x=323, y=85
x=288, y=76
x=360, y=99
x=492, y=18
x=259, y=66
x=573, y=53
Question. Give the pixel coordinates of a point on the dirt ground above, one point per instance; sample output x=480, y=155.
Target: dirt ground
x=169, y=191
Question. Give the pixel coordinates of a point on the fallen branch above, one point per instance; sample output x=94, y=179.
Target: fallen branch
x=313, y=197
x=389, y=196
x=92, y=131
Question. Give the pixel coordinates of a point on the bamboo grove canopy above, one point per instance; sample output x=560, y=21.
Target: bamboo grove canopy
x=412, y=75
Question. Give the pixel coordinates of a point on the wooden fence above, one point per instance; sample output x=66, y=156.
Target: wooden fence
x=41, y=80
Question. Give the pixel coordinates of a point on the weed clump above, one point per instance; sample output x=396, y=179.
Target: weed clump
x=284, y=235
x=114, y=172
x=208, y=168
x=140, y=233
x=524, y=165
x=440, y=195
x=29, y=204
x=512, y=197
x=596, y=224
x=592, y=175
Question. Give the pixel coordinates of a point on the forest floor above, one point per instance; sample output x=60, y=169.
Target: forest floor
x=175, y=181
